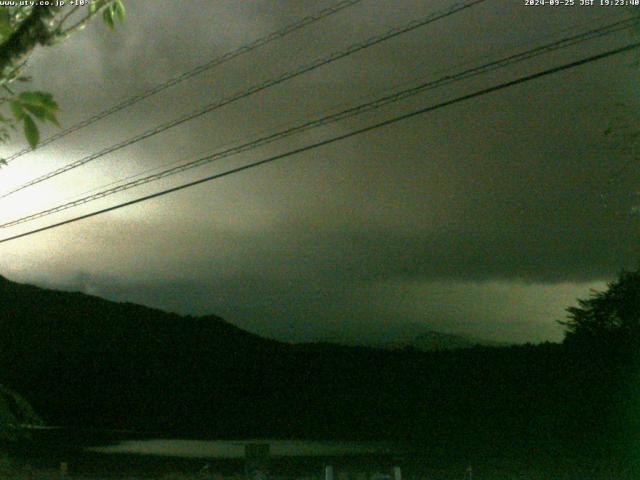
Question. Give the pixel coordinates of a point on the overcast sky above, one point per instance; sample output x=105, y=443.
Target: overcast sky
x=486, y=218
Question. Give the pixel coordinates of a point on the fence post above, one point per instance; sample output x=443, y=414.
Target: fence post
x=328, y=472
x=256, y=460
x=397, y=473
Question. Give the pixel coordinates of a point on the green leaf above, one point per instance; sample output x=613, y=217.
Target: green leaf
x=40, y=99
x=16, y=109
x=95, y=5
x=5, y=24
x=31, y=131
x=52, y=118
x=107, y=16
x=32, y=97
x=39, y=111
x=119, y=10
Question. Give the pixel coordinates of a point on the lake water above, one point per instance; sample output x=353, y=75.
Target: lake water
x=235, y=449
x=91, y=452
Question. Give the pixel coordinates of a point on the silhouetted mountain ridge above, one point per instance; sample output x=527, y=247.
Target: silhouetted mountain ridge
x=79, y=320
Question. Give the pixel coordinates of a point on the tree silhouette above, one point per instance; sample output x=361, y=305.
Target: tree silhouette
x=609, y=318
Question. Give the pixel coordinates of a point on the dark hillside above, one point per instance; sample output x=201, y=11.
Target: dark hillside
x=85, y=361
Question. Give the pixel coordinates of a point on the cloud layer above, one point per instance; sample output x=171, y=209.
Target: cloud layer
x=488, y=217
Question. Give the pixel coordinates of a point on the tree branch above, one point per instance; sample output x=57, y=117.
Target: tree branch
x=32, y=31
x=58, y=29
x=78, y=25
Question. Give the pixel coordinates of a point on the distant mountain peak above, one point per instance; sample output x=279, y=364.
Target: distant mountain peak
x=416, y=337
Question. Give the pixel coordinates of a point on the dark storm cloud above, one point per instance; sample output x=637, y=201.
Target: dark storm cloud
x=498, y=198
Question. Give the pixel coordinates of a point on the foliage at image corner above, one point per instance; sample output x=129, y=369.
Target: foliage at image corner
x=23, y=28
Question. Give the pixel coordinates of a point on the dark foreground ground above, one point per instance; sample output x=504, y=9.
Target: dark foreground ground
x=41, y=457
x=94, y=466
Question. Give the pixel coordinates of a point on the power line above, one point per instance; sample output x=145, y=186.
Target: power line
x=328, y=141
x=255, y=89
x=350, y=112
x=369, y=96
x=283, y=32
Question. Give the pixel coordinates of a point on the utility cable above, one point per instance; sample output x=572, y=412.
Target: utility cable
x=331, y=140
x=367, y=97
x=255, y=89
x=283, y=32
x=350, y=112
